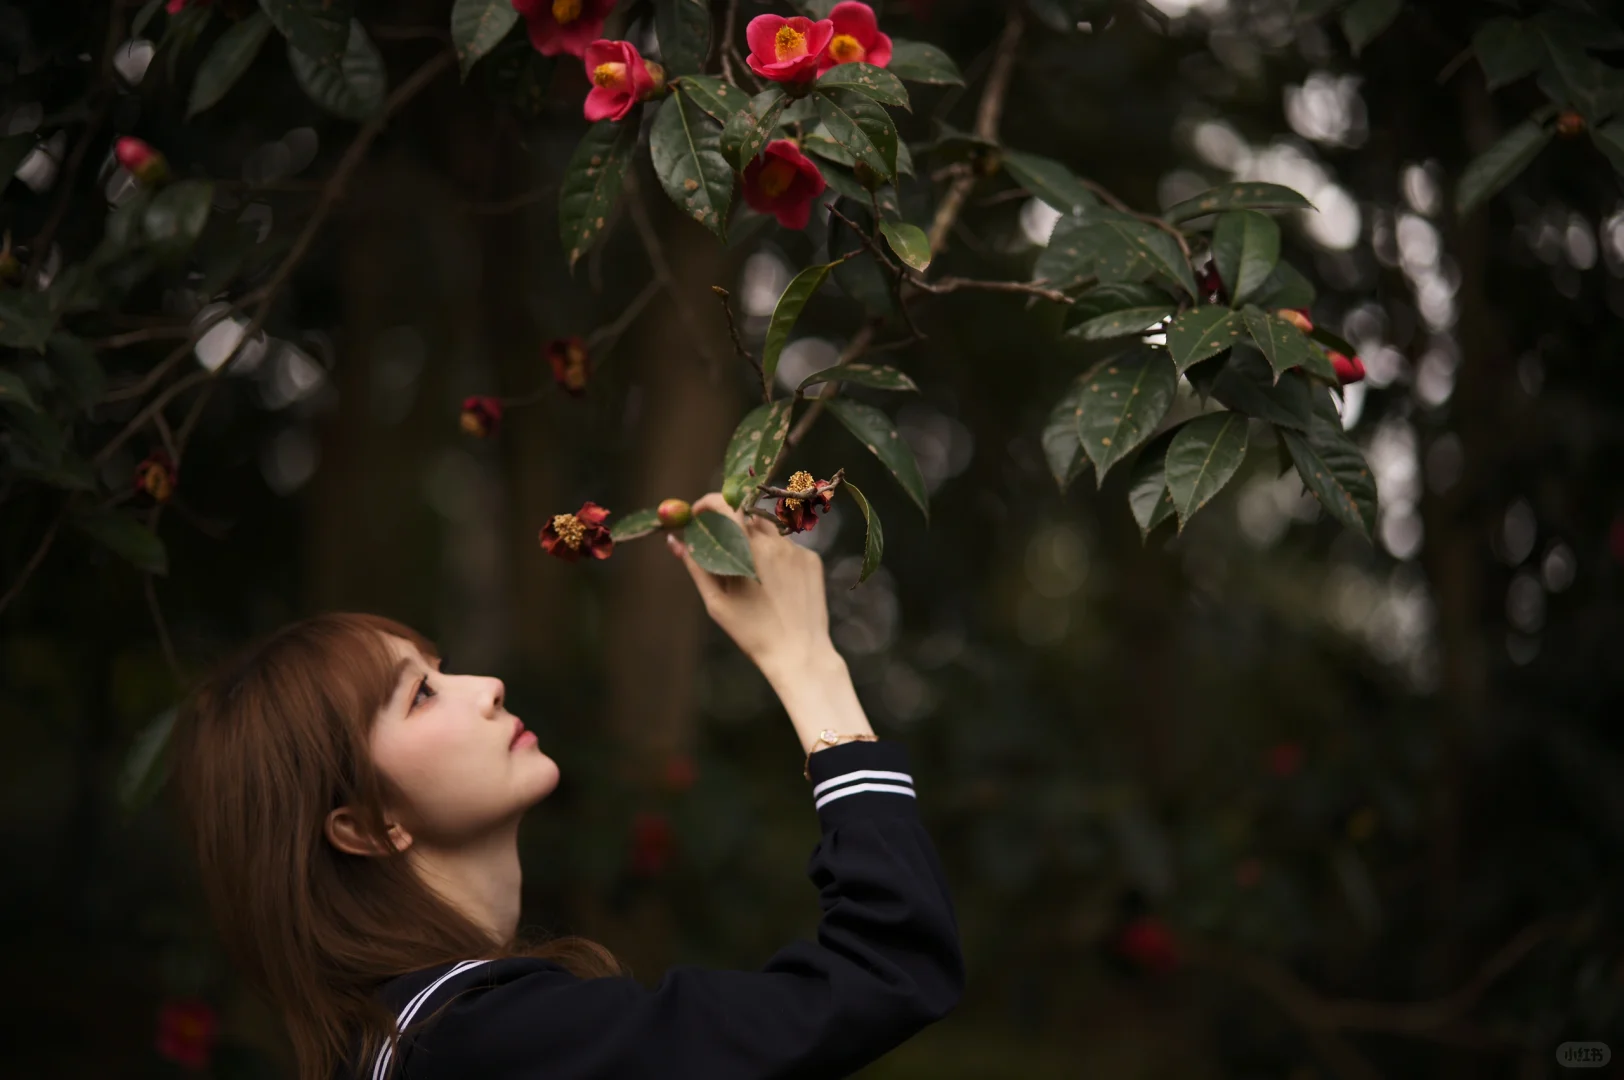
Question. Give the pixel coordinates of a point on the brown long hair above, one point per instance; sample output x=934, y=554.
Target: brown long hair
x=262, y=753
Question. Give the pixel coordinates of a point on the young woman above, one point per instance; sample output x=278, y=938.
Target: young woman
x=355, y=814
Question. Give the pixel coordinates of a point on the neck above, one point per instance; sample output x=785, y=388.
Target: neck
x=480, y=878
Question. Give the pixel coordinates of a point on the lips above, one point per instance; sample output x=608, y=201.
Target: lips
x=518, y=730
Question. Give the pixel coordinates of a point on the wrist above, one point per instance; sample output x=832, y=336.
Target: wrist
x=789, y=669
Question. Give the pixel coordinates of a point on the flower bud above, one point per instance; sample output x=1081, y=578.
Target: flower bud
x=481, y=416
x=1570, y=124
x=674, y=513
x=1297, y=317
x=733, y=488
x=143, y=162
x=155, y=477
x=656, y=72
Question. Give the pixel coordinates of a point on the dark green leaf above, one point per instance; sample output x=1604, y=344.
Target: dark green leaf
x=26, y=319
x=755, y=444
x=919, y=62
x=1363, y=20
x=1203, y=456
x=320, y=29
x=144, y=16
x=1499, y=164
x=351, y=83
x=909, y=242
x=1112, y=311
x=1202, y=332
x=146, y=766
x=877, y=376
x=1159, y=249
x=874, y=538
x=227, y=60
x=1281, y=343
x=1148, y=496
x=1285, y=288
x=819, y=142
x=177, y=215
x=718, y=97
x=14, y=392
x=1246, y=247
x=747, y=130
x=1048, y=180
x=874, y=430
x=952, y=146
x=1506, y=50
x=1317, y=9
x=684, y=30
x=592, y=183
x=1335, y=471
x=1062, y=446
x=124, y=536
x=77, y=370
x=634, y=525
x=860, y=127
x=718, y=544
x=685, y=145
x=1325, y=337
x=874, y=83
x=1247, y=385
x=785, y=312
x=477, y=27
x=1240, y=196
x=1609, y=139
x=1125, y=399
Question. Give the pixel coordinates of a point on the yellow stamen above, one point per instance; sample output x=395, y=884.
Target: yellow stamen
x=800, y=482
x=566, y=11
x=569, y=530
x=473, y=423
x=789, y=43
x=775, y=179
x=846, y=49
x=610, y=76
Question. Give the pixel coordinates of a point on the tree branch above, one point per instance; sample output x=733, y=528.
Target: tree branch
x=738, y=345
x=988, y=114
x=33, y=562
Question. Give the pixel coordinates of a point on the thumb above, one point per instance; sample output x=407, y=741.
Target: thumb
x=710, y=589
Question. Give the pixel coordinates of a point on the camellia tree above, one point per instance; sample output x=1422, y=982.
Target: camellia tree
x=798, y=117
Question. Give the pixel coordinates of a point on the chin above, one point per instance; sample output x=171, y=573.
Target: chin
x=541, y=776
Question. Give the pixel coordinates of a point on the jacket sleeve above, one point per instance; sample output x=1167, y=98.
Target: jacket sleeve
x=885, y=964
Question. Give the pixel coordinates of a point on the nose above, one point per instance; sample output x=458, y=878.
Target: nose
x=497, y=692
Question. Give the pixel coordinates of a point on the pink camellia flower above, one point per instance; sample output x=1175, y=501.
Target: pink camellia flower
x=857, y=38
x=186, y=1030
x=787, y=50
x=569, y=536
x=1297, y=317
x=782, y=182
x=1349, y=369
x=619, y=77
x=563, y=26
x=141, y=160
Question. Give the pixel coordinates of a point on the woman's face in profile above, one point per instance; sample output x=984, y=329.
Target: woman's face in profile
x=464, y=763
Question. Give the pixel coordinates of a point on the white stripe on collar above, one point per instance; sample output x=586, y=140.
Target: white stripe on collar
x=380, y=1067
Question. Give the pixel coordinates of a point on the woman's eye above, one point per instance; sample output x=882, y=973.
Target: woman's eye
x=424, y=692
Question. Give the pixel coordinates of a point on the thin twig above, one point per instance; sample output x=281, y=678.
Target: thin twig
x=1149, y=219
x=1457, y=62
x=662, y=269
x=33, y=562
x=136, y=337
x=956, y=284
x=988, y=114
x=180, y=352
x=507, y=206
x=738, y=344
x=726, y=46
x=605, y=336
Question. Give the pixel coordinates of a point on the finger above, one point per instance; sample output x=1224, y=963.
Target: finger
x=713, y=500
x=708, y=584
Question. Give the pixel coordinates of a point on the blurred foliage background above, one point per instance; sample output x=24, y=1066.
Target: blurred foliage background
x=1258, y=800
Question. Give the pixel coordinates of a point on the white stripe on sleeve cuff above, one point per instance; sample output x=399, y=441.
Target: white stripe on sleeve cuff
x=838, y=787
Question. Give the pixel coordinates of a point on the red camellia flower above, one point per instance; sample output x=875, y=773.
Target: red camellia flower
x=619, y=77
x=1149, y=943
x=1297, y=317
x=175, y=7
x=781, y=181
x=186, y=1031
x=788, y=50
x=1570, y=125
x=156, y=476
x=1349, y=369
x=857, y=38
x=653, y=841
x=1211, y=284
x=1285, y=758
x=563, y=26
x=481, y=416
x=143, y=162
x=569, y=536
x=570, y=362
x=797, y=514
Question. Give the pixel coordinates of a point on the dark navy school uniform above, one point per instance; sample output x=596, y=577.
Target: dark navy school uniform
x=886, y=963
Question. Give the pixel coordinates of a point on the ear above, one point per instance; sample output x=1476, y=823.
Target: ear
x=345, y=833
